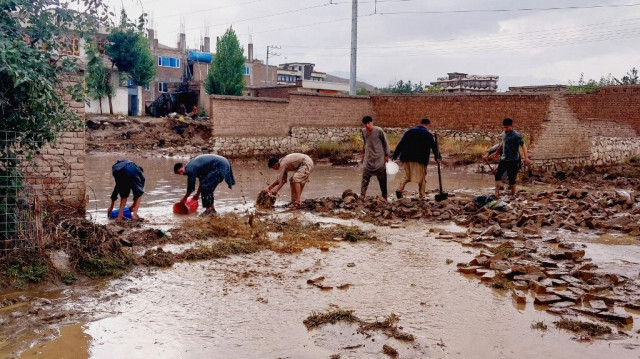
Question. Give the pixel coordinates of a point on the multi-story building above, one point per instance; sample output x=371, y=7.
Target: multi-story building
x=459, y=82
x=290, y=73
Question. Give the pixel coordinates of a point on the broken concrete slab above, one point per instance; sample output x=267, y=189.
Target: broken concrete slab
x=546, y=299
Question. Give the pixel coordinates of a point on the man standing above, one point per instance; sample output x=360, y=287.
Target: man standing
x=210, y=170
x=510, y=158
x=129, y=177
x=298, y=162
x=376, y=154
x=414, y=150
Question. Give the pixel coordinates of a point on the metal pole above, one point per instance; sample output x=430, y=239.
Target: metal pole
x=267, y=78
x=354, y=46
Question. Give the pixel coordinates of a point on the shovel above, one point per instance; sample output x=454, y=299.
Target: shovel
x=442, y=195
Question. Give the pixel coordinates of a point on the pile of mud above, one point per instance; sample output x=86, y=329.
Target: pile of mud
x=163, y=136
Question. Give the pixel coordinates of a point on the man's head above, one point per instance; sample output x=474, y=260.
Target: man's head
x=367, y=121
x=425, y=122
x=507, y=125
x=178, y=168
x=273, y=163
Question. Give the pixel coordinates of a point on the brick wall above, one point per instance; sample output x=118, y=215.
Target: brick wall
x=618, y=103
x=464, y=112
x=249, y=116
x=59, y=171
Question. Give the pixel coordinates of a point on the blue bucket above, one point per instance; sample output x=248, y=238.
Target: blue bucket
x=126, y=213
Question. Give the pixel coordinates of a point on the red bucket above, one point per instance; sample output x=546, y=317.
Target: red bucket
x=190, y=206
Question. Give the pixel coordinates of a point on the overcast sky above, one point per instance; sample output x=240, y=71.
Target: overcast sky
x=420, y=40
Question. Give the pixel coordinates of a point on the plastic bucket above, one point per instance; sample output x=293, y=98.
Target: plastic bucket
x=126, y=212
x=190, y=206
x=392, y=168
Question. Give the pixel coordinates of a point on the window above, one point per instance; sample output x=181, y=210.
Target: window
x=246, y=70
x=162, y=87
x=146, y=87
x=168, y=62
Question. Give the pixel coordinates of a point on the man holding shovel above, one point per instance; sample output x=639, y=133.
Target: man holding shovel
x=510, y=156
x=414, y=150
x=210, y=170
x=301, y=165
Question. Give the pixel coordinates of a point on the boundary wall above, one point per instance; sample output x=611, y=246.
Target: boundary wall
x=566, y=129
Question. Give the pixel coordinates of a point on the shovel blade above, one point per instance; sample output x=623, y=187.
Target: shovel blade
x=441, y=196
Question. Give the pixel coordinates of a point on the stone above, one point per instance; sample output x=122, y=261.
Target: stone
x=519, y=296
x=520, y=285
x=537, y=287
x=488, y=277
x=567, y=295
x=468, y=270
x=562, y=304
x=546, y=299
x=624, y=319
x=598, y=304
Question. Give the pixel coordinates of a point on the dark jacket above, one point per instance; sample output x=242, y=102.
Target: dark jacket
x=416, y=145
x=204, y=165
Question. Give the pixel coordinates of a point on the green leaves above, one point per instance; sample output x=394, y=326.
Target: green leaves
x=129, y=52
x=226, y=76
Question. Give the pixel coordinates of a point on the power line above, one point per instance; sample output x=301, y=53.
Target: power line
x=507, y=10
x=551, y=32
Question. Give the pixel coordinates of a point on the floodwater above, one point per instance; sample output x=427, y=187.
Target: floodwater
x=163, y=187
x=253, y=306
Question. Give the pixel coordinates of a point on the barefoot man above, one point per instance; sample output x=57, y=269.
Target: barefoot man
x=301, y=164
x=129, y=178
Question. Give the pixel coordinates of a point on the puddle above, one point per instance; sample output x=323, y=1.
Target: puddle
x=163, y=187
x=254, y=306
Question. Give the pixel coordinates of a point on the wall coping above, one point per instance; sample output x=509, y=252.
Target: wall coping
x=313, y=94
x=249, y=98
x=496, y=94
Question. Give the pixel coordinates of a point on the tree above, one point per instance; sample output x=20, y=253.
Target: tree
x=34, y=37
x=403, y=87
x=631, y=78
x=129, y=51
x=226, y=72
x=98, y=78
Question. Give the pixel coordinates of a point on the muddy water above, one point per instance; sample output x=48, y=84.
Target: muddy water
x=163, y=187
x=253, y=307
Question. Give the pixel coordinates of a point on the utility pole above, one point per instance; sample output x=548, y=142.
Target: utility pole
x=269, y=52
x=354, y=46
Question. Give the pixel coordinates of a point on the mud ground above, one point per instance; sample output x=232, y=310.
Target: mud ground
x=529, y=248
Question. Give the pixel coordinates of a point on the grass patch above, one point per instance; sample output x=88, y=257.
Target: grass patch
x=634, y=159
x=501, y=282
x=505, y=248
x=354, y=234
x=68, y=278
x=576, y=326
x=339, y=315
x=105, y=266
x=393, y=139
x=539, y=326
x=157, y=258
x=466, y=151
x=21, y=271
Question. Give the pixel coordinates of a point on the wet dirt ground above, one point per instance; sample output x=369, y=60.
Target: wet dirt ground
x=253, y=306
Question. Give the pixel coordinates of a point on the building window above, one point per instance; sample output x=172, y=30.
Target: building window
x=146, y=87
x=246, y=70
x=162, y=87
x=164, y=61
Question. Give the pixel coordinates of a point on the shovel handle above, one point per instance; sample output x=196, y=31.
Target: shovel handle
x=438, y=163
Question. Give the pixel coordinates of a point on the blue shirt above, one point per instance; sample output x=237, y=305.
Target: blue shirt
x=511, y=143
x=201, y=166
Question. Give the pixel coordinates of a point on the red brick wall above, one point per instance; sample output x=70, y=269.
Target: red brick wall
x=462, y=112
x=619, y=103
x=251, y=116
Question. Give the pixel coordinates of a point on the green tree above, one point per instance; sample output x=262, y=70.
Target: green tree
x=403, y=87
x=631, y=78
x=98, y=79
x=34, y=38
x=362, y=91
x=226, y=72
x=129, y=51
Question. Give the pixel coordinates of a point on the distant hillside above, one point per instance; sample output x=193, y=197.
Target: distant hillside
x=359, y=84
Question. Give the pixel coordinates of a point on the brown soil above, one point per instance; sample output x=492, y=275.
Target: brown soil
x=147, y=134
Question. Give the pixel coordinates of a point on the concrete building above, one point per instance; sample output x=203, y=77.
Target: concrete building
x=463, y=83
x=290, y=73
